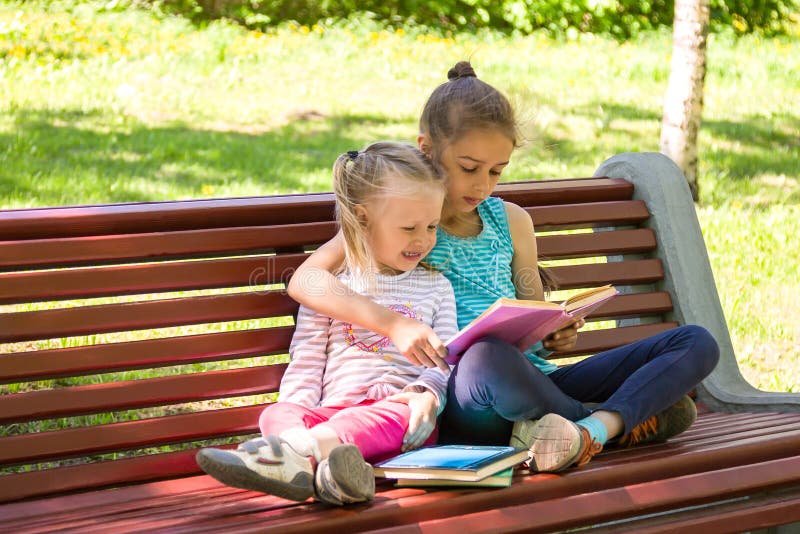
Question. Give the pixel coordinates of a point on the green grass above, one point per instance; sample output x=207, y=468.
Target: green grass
x=102, y=107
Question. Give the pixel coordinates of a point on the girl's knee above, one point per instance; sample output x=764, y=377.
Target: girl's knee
x=278, y=409
x=492, y=356
x=706, y=349
x=274, y=417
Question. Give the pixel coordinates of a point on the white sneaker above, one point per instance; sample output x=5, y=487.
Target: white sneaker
x=268, y=465
x=344, y=477
x=559, y=443
x=522, y=433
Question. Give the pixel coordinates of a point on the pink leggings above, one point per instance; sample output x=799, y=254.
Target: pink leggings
x=375, y=427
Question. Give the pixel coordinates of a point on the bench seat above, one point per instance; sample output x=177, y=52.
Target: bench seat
x=718, y=463
x=132, y=334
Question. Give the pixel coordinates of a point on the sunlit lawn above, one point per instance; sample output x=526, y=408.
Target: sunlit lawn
x=111, y=107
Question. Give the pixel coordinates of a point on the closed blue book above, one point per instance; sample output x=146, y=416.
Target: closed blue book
x=467, y=463
x=497, y=480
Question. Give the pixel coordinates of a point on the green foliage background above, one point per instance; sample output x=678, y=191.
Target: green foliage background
x=103, y=104
x=620, y=18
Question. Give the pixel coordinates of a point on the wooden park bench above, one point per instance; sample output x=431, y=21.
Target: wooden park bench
x=84, y=436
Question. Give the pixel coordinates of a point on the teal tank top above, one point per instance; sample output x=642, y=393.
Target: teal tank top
x=479, y=269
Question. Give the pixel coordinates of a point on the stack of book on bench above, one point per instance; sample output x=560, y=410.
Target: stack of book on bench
x=454, y=465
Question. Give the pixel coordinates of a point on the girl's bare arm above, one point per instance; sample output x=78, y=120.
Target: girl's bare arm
x=525, y=264
x=314, y=286
x=525, y=270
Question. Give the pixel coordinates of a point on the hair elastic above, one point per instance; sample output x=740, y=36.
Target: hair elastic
x=352, y=154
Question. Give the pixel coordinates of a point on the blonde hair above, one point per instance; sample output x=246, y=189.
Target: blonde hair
x=360, y=177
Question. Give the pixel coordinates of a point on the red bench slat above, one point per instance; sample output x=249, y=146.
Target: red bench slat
x=570, y=191
x=44, y=324
x=99, y=398
x=92, y=282
x=145, y=354
x=102, y=474
x=152, y=497
x=588, y=215
x=85, y=504
x=633, y=305
x=143, y=217
x=81, y=441
x=617, y=273
x=708, y=427
x=96, y=250
x=711, y=440
x=754, y=513
x=596, y=244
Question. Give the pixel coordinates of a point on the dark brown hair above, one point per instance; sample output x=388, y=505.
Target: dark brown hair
x=464, y=103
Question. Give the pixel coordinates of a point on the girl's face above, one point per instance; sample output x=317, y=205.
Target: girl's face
x=473, y=164
x=401, y=229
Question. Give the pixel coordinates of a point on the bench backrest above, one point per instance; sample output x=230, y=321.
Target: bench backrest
x=127, y=328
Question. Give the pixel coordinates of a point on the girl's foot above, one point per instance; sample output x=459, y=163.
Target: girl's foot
x=558, y=443
x=663, y=425
x=522, y=433
x=268, y=465
x=344, y=477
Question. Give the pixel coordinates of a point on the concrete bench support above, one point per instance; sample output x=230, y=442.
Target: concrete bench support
x=688, y=276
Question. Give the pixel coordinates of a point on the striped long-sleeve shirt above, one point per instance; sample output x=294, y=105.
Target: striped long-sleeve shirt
x=334, y=363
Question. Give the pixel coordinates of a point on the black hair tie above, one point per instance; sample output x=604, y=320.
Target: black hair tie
x=352, y=154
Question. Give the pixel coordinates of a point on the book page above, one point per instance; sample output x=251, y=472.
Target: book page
x=588, y=297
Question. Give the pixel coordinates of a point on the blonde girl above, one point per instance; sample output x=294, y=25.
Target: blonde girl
x=348, y=393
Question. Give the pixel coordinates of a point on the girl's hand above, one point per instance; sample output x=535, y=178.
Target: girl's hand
x=564, y=339
x=423, y=408
x=418, y=343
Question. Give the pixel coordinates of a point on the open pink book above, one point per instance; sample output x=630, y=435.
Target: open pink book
x=524, y=322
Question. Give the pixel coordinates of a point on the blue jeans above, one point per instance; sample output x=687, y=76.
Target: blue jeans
x=494, y=384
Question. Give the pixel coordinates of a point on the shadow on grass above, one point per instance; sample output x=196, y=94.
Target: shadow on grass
x=734, y=150
x=68, y=157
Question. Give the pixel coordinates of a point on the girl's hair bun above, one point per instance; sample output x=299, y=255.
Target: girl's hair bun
x=462, y=69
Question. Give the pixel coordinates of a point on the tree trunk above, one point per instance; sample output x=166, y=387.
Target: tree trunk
x=683, y=103
x=213, y=8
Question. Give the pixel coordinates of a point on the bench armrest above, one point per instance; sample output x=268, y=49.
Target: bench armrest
x=688, y=276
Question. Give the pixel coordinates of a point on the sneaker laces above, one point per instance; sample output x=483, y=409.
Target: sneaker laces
x=589, y=448
x=276, y=444
x=646, y=428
